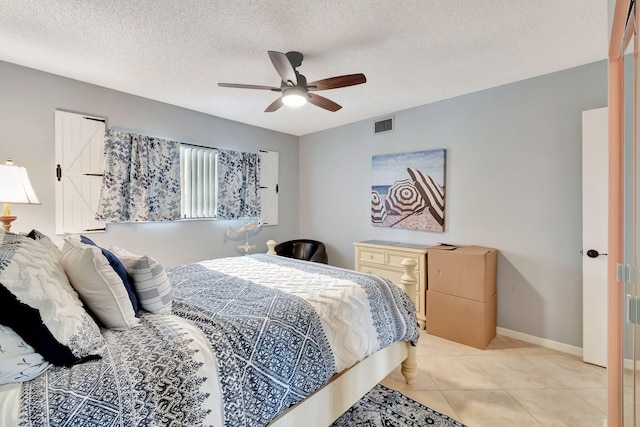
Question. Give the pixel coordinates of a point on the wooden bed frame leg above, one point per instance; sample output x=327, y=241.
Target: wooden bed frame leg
x=271, y=244
x=410, y=365
x=410, y=286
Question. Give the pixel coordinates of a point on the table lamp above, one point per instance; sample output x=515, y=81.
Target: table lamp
x=15, y=187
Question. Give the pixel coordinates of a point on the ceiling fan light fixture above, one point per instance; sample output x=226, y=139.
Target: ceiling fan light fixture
x=294, y=89
x=294, y=97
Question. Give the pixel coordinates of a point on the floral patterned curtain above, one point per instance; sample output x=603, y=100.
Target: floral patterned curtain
x=141, y=179
x=238, y=186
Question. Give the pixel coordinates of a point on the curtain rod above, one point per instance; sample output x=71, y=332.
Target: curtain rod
x=218, y=148
x=199, y=146
x=159, y=137
x=186, y=143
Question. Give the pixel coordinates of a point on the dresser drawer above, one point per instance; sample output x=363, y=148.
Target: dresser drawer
x=392, y=275
x=368, y=255
x=395, y=259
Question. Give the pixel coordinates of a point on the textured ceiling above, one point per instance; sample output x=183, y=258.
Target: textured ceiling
x=413, y=52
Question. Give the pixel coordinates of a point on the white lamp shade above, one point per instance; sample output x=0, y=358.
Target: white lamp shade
x=15, y=186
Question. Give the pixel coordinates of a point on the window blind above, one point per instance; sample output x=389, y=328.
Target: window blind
x=199, y=171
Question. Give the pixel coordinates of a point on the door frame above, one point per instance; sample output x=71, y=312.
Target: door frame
x=620, y=37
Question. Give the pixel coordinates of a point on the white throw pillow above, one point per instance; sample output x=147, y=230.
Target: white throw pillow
x=32, y=272
x=98, y=284
x=18, y=360
x=149, y=280
x=44, y=240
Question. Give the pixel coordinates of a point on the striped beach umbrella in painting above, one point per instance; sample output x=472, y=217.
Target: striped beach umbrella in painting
x=430, y=191
x=404, y=199
x=378, y=211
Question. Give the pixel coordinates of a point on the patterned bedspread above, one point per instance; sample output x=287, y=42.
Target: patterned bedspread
x=282, y=327
x=279, y=329
x=270, y=345
x=148, y=376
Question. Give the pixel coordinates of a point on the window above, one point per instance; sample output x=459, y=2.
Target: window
x=203, y=182
x=199, y=181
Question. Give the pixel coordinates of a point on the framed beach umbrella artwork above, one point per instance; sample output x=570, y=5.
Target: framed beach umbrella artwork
x=408, y=190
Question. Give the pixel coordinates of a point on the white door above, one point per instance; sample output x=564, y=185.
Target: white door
x=594, y=235
x=79, y=158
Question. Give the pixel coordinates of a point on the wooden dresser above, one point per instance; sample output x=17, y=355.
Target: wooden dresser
x=383, y=258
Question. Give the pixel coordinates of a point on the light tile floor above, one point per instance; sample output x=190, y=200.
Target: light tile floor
x=511, y=383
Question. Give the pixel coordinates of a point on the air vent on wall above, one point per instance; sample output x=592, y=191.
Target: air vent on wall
x=384, y=125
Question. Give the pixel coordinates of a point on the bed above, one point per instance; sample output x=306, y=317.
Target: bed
x=244, y=341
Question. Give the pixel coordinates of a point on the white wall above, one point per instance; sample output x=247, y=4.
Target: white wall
x=513, y=182
x=27, y=103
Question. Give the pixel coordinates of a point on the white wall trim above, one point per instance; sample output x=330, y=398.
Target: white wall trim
x=555, y=345
x=628, y=364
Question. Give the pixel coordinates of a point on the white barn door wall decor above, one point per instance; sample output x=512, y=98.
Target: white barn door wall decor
x=268, y=187
x=79, y=158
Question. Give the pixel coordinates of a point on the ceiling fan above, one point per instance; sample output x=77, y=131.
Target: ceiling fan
x=294, y=87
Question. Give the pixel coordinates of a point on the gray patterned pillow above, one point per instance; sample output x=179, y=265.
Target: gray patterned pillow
x=149, y=281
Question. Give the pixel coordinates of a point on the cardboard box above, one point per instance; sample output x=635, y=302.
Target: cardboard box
x=462, y=320
x=462, y=271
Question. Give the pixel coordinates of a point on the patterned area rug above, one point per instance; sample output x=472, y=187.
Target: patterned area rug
x=383, y=407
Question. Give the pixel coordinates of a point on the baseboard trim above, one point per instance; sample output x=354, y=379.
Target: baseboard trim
x=555, y=345
x=628, y=364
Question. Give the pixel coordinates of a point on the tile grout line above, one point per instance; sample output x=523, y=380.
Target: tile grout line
x=539, y=421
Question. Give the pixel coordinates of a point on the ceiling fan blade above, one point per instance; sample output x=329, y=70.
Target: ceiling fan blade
x=243, y=86
x=283, y=67
x=339, y=81
x=322, y=102
x=274, y=105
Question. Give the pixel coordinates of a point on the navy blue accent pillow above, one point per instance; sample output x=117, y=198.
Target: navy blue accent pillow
x=27, y=322
x=34, y=234
x=120, y=269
